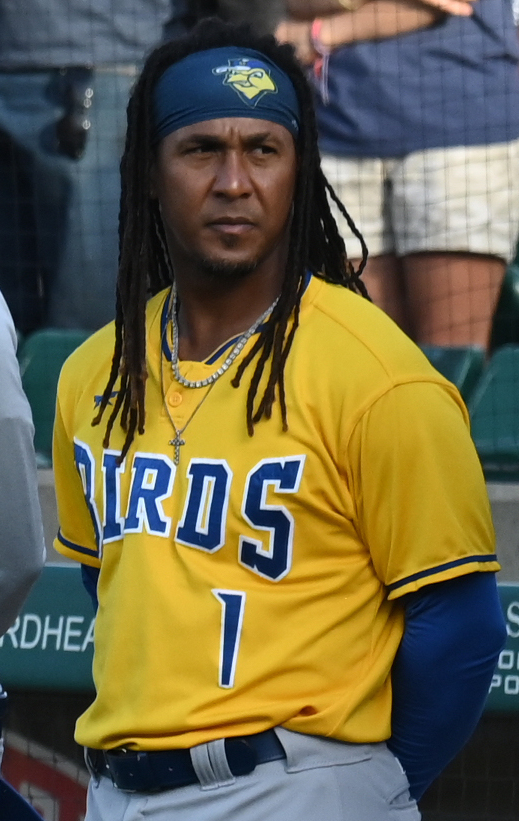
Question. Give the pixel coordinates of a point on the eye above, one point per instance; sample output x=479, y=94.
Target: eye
x=264, y=150
x=201, y=148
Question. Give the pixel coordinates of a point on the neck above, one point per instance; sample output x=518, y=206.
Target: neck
x=214, y=309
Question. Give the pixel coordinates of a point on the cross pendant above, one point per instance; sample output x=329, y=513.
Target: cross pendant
x=177, y=443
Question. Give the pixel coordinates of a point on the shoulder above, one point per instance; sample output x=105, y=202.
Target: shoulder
x=352, y=355
x=90, y=363
x=361, y=337
x=90, y=357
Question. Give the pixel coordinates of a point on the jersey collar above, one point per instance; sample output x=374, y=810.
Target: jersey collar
x=215, y=356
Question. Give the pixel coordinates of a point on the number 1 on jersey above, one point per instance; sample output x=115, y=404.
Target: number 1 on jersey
x=233, y=606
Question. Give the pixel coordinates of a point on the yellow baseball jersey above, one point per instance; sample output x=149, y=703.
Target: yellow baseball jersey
x=257, y=582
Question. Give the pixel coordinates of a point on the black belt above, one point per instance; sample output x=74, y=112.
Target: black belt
x=135, y=771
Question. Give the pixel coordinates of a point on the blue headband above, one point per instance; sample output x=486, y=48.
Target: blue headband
x=223, y=82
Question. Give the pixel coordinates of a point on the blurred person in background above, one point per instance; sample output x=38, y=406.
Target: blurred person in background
x=66, y=70
x=22, y=548
x=261, y=15
x=418, y=113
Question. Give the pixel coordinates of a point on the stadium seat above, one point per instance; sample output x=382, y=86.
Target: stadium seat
x=461, y=365
x=41, y=356
x=505, y=327
x=494, y=409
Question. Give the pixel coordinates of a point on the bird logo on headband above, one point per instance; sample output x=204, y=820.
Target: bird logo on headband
x=250, y=79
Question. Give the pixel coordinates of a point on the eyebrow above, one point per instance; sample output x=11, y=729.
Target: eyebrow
x=203, y=138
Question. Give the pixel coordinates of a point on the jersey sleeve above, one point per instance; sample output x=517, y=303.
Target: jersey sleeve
x=421, y=502
x=76, y=537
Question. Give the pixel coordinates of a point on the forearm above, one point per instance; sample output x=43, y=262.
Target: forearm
x=376, y=20
x=441, y=676
x=309, y=9
x=302, y=10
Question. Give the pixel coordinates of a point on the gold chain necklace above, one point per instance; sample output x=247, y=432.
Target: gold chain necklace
x=177, y=442
x=210, y=381
x=234, y=354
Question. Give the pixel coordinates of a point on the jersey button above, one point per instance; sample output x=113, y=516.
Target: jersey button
x=175, y=399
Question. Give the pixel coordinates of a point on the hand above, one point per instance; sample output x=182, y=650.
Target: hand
x=458, y=8
x=297, y=33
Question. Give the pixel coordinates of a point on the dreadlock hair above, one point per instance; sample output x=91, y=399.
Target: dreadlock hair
x=144, y=268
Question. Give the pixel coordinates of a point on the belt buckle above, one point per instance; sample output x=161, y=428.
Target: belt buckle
x=125, y=766
x=241, y=756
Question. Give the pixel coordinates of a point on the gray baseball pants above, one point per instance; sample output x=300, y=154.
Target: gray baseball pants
x=320, y=779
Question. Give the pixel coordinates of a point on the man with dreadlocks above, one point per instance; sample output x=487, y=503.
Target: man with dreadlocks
x=276, y=499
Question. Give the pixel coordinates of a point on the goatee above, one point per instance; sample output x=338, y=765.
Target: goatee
x=226, y=270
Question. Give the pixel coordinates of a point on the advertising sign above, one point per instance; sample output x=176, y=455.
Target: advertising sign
x=504, y=690
x=50, y=646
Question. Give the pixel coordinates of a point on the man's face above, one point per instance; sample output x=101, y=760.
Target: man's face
x=225, y=189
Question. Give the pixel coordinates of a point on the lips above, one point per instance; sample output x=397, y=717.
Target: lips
x=232, y=221
x=232, y=225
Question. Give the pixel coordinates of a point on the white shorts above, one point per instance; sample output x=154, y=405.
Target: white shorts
x=464, y=199
x=320, y=779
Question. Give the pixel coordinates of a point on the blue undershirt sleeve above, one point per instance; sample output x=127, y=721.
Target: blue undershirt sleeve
x=454, y=632
x=89, y=577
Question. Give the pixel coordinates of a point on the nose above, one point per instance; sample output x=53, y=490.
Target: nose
x=232, y=179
